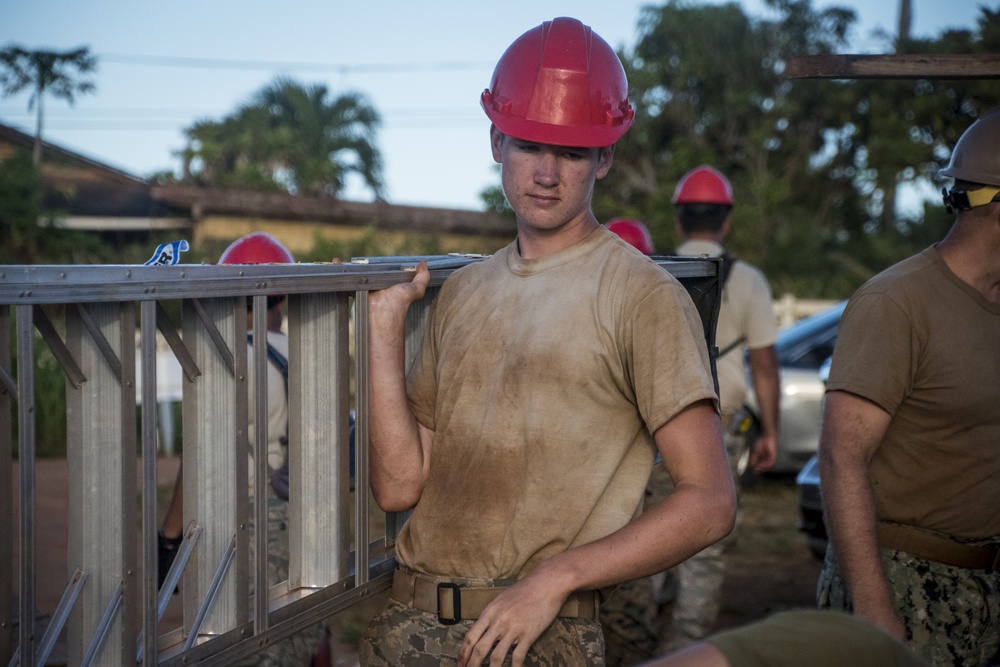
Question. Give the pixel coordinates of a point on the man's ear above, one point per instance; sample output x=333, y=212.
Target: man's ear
x=604, y=160
x=496, y=143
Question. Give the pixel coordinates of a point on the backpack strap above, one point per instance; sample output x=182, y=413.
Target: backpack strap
x=275, y=358
x=726, y=270
x=728, y=259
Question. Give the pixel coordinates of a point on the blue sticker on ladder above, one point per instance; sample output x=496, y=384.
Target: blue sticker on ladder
x=167, y=254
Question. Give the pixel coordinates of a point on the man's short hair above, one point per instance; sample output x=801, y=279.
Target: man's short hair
x=702, y=217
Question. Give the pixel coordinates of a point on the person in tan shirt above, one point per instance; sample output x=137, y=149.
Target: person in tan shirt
x=910, y=444
x=523, y=435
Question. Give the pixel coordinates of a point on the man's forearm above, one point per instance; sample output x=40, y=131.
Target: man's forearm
x=399, y=447
x=671, y=531
x=396, y=460
x=767, y=387
x=849, y=511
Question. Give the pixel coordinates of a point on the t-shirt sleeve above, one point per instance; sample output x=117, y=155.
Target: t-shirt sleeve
x=669, y=356
x=874, y=355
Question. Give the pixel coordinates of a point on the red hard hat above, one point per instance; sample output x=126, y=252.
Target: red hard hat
x=560, y=84
x=632, y=232
x=704, y=185
x=256, y=248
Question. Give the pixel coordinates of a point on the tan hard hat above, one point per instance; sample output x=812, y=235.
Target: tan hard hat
x=976, y=157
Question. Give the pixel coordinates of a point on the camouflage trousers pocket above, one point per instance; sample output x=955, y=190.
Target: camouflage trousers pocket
x=400, y=636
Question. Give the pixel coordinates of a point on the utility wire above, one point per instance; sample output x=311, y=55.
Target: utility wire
x=219, y=63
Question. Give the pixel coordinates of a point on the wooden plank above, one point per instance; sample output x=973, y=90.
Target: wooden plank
x=908, y=66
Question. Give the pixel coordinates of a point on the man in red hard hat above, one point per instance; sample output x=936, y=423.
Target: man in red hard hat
x=704, y=201
x=550, y=374
x=633, y=232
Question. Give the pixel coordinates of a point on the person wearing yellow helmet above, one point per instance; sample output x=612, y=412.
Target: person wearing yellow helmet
x=550, y=374
x=910, y=445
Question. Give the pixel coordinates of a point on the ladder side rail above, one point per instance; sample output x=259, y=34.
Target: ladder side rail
x=362, y=511
x=8, y=389
x=318, y=434
x=24, y=315
x=215, y=488
x=101, y=462
x=259, y=456
x=150, y=482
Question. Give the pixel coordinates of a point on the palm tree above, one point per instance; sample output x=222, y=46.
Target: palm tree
x=45, y=71
x=289, y=137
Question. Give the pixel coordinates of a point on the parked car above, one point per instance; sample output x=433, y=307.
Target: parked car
x=811, y=508
x=810, y=500
x=802, y=349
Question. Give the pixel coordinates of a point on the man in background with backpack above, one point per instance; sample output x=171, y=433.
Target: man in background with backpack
x=673, y=609
x=704, y=201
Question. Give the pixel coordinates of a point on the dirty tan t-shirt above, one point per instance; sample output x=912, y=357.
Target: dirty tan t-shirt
x=543, y=380
x=925, y=346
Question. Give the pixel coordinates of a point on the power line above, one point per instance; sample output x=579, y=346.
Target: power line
x=365, y=68
x=77, y=112
x=66, y=123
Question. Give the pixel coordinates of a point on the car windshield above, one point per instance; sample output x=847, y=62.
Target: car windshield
x=809, y=342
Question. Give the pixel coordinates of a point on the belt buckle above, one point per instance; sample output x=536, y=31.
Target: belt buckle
x=456, y=602
x=994, y=564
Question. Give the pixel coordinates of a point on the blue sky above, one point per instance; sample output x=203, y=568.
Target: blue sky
x=422, y=64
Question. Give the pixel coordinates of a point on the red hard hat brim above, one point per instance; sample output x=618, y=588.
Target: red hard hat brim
x=583, y=136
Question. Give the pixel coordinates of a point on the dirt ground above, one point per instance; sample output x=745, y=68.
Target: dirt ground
x=769, y=568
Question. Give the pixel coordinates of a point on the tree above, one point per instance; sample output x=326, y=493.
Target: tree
x=30, y=234
x=708, y=87
x=815, y=164
x=288, y=138
x=45, y=72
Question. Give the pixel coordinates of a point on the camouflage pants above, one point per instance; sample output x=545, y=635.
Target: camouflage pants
x=298, y=649
x=667, y=611
x=400, y=636
x=629, y=622
x=951, y=614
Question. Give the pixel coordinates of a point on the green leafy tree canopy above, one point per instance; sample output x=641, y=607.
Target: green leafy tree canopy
x=815, y=164
x=44, y=72
x=288, y=137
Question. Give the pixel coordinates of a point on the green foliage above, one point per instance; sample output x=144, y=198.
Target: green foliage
x=50, y=402
x=45, y=72
x=288, y=138
x=495, y=200
x=815, y=165
x=29, y=236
